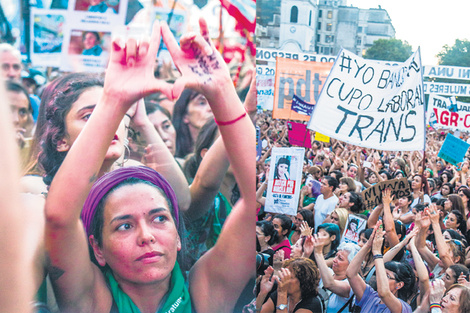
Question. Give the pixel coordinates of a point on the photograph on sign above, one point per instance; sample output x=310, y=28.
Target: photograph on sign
x=285, y=177
x=354, y=226
x=98, y=12
x=47, y=27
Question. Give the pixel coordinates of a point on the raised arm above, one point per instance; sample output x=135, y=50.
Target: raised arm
x=80, y=284
x=223, y=271
x=422, y=271
x=356, y=282
x=383, y=288
x=423, y=222
x=159, y=157
x=388, y=218
x=341, y=288
x=442, y=247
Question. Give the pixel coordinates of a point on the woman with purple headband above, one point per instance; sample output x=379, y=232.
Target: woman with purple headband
x=130, y=222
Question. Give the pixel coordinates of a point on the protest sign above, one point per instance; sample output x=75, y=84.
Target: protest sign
x=370, y=104
x=264, y=91
x=373, y=195
x=453, y=149
x=452, y=72
x=301, y=107
x=285, y=178
x=259, y=148
x=353, y=227
x=105, y=13
x=299, y=135
x=321, y=137
x=47, y=27
x=303, y=79
x=448, y=113
x=447, y=89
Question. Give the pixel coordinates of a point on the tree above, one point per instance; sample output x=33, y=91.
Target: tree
x=389, y=50
x=457, y=55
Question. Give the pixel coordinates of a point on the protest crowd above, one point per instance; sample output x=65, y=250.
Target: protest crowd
x=115, y=187
x=373, y=230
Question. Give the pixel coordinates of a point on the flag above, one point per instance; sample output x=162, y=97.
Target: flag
x=244, y=11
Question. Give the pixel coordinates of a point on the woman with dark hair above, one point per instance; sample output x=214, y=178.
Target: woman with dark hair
x=161, y=120
x=190, y=113
x=455, y=221
x=454, y=202
x=297, y=289
x=446, y=190
x=283, y=225
x=267, y=235
x=395, y=280
x=352, y=201
x=452, y=274
x=282, y=169
x=330, y=234
x=131, y=220
x=302, y=216
x=91, y=44
x=17, y=98
x=419, y=190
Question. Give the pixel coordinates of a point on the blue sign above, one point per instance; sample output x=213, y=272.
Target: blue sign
x=301, y=107
x=453, y=149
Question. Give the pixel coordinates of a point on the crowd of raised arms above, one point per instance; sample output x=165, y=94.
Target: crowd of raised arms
x=135, y=191
x=341, y=254
x=116, y=189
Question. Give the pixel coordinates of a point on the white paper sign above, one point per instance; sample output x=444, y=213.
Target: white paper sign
x=371, y=104
x=448, y=113
x=285, y=178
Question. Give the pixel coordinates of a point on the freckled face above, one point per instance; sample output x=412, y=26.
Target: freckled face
x=140, y=240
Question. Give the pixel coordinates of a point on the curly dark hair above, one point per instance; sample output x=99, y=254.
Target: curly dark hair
x=57, y=108
x=356, y=198
x=306, y=271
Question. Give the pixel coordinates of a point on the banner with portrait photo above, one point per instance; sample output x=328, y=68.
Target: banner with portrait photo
x=285, y=177
x=98, y=12
x=353, y=227
x=303, y=79
x=47, y=29
x=373, y=105
x=86, y=50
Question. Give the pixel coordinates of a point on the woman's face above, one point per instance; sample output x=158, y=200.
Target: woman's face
x=296, y=251
x=451, y=221
x=282, y=170
x=277, y=226
x=89, y=41
x=198, y=112
x=77, y=117
x=343, y=187
x=19, y=105
x=165, y=129
x=463, y=196
x=344, y=200
x=298, y=220
x=340, y=262
x=352, y=172
x=399, y=175
x=362, y=240
x=444, y=178
x=416, y=183
x=451, y=301
x=445, y=190
x=403, y=202
x=334, y=218
x=373, y=178
x=392, y=282
x=384, y=176
x=323, y=234
x=427, y=174
x=449, y=278
x=140, y=240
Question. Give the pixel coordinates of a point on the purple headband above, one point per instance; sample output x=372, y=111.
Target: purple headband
x=109, y=180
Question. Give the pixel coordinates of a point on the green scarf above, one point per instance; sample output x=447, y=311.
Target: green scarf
x=177, y=300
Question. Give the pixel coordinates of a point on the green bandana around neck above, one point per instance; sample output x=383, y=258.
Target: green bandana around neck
x=177, y=300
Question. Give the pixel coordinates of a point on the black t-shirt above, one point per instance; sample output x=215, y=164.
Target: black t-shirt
x=313, y=304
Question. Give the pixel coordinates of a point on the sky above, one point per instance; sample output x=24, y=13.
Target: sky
x=428, y=24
